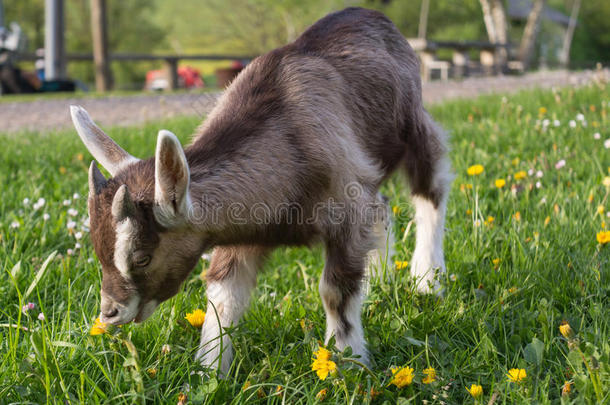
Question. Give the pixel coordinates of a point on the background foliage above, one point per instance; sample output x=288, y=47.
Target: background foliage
x=251, y=27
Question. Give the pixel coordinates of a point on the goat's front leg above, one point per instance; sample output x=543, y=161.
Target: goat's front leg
x=341, y=288
x=231, y=278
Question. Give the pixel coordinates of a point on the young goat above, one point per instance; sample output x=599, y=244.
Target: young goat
x=293, y=154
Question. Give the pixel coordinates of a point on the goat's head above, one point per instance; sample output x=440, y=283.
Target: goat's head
x=139, y=222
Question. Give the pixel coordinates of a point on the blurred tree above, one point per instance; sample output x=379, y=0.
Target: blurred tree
x=591, y=41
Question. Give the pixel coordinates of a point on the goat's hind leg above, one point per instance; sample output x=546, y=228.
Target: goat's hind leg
x=231, y=278
x=429, y=173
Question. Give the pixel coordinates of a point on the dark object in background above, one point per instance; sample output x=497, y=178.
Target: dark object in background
x=58, y=85
x=14, y=81
x=224, y=76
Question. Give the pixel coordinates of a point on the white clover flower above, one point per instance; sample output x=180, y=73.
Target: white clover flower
x=543, y=200
x=572, y=124
x=67, y=202
x=539, y=174
x=76, y=196
x=45, y=216
x=545, y=122
x=538, y=184
x=26, y=201
x=39, y=204
x=580, y=117
x=452, y=277
x=71, y=225
x=78, y=235
x=560, y=164
x=15, y=224
x=607, y=143
x=530, y=172
x=556, y=123
x=72, y=212
x=41, y=317
x=90, y=260
x=597, y=135
x=77, y=246
x=70, y=252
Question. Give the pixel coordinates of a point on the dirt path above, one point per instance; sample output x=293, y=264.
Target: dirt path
x=52, y=114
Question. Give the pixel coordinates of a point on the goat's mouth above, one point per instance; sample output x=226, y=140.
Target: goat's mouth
x=146, y=310
x=137, y=310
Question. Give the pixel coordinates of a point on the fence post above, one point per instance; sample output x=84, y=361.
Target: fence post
x=171, y=66
x=55, y=56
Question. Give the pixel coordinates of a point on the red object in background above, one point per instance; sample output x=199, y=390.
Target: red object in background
x=188, y=78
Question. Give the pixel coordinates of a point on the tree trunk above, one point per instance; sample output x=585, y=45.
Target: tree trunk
x=499, y=20
x=489, y=21
x=564, y=57
x=529, y=33
x=99, y=28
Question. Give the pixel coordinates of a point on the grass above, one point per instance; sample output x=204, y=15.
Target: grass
x=511, y=282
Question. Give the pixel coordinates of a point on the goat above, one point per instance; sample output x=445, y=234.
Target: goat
x=293, y=154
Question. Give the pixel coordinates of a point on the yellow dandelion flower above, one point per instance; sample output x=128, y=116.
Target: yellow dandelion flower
x=566, y=330
x=321, y=395
x=520, y=175
x=592, y=108
x=475, y=170
x=401, y=264
x=246, y=385
x=566, y=389
x=430, y=374
x=603, y=237
x=606, y=181
x=152, y=372
x=196, y=318
x=517, y=216
x=496, y=261
x=512, y=290
x=600, y=209
x=182, y=399
x=98, y=328
x=396, y=210
x=516, y=375
x=547, y=220
x=590, y=198
x=500, y=183
x=80, y=156
x=469, y=212
x=490, y=220
x=322, y=364
x=515, y=161
x=403, y=376
x=475, y=390
x=62, y=170
x=542, y=110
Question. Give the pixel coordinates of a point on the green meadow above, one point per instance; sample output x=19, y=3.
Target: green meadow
x=523, y=260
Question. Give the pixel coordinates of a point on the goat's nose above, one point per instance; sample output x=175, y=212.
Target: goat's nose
x=109, y=313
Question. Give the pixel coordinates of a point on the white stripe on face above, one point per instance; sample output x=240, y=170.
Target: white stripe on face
x=124, y=246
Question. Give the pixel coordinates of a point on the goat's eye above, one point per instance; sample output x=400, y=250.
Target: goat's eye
x=141, y=261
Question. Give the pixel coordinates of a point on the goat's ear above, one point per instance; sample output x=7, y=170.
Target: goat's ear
x=101, y=146
x=122, y=206
x=172, y=178
x=97, y=181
